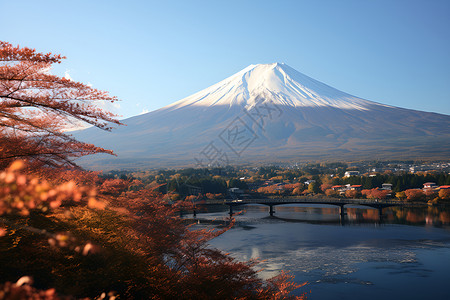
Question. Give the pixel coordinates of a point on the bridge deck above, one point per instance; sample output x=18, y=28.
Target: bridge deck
x=330, y=201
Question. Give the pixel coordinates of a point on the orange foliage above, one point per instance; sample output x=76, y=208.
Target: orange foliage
x=430, y=194
x=331, y=192
x=444, y=194
x=179, y=258
x=191, y=198
x=114, y=186
x=22, y=289
x=292, y=188
x=366, y=193
x=210, y=196
x=296, y=191
x=400, y=195
x=20, y=193
x=325, y=186
x=267, y=189
x=380, y=194
x=414, y=195
x=352, y=193
x=36, y=108
x=375, y=193
x=187, y=267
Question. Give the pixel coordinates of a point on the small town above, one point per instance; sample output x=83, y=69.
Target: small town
x=406, y=181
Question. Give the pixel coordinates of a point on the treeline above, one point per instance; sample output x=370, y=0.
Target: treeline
x=187, y=181
x=219, y=180
x=338, y=168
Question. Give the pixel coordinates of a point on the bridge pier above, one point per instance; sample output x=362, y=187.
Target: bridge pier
x=342, y=210
x=342, y=214
x=271, y=211
x=231, y=210
x=380, y=211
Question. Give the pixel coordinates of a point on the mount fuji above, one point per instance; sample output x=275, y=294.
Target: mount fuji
x=271, y=113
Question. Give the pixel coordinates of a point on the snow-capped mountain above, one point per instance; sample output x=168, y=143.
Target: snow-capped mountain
x=270, y=112
x=284, y=85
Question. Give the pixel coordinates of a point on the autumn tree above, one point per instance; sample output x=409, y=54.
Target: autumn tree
x=375, y=193
x=139, y=247
x=36, y=108
x=331, y=193
x=114, y=186
x=352, y=193
x=366, y=193
x=270, y=189
x=430, y=194
x=325, y=186
x=400, y=195
x=444, y=194
x=313, y=187
x=297, y=191
x=380, y=194
x=414, y=195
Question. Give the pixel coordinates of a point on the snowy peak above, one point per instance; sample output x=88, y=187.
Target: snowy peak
x=276, y=82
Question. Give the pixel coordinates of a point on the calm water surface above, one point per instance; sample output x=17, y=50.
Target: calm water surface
x=405, y=255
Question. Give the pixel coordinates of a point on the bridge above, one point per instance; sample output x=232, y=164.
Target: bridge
x=272, y=202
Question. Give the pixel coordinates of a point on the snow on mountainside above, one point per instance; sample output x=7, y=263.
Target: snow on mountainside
x=283, y=84
x=270, y=112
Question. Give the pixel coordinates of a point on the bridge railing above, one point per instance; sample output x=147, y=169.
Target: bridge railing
x=311, y=200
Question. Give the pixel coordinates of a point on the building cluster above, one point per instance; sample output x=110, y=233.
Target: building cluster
x=431, y=186
x=405, y=167
x=358, y=187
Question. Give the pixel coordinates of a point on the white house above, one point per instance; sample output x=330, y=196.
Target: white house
x=351, y=173
x=386, y=186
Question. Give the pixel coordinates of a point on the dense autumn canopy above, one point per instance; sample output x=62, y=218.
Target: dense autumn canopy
x=133, y=244
x=37, y=107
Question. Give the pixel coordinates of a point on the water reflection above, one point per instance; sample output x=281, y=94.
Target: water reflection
x=368, y=258
x=425, y=215
x=322, y=214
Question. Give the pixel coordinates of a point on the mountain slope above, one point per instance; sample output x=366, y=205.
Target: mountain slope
x=271, y=112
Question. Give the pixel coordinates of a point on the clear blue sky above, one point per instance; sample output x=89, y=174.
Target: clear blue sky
x=152, y=53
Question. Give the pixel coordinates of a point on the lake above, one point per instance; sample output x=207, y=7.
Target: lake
x=405, y=255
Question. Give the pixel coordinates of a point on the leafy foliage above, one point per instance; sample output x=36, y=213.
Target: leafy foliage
x=444, y=194
x=36, y=108
x=143, y=251
x=415, y=195
x=375, y=193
